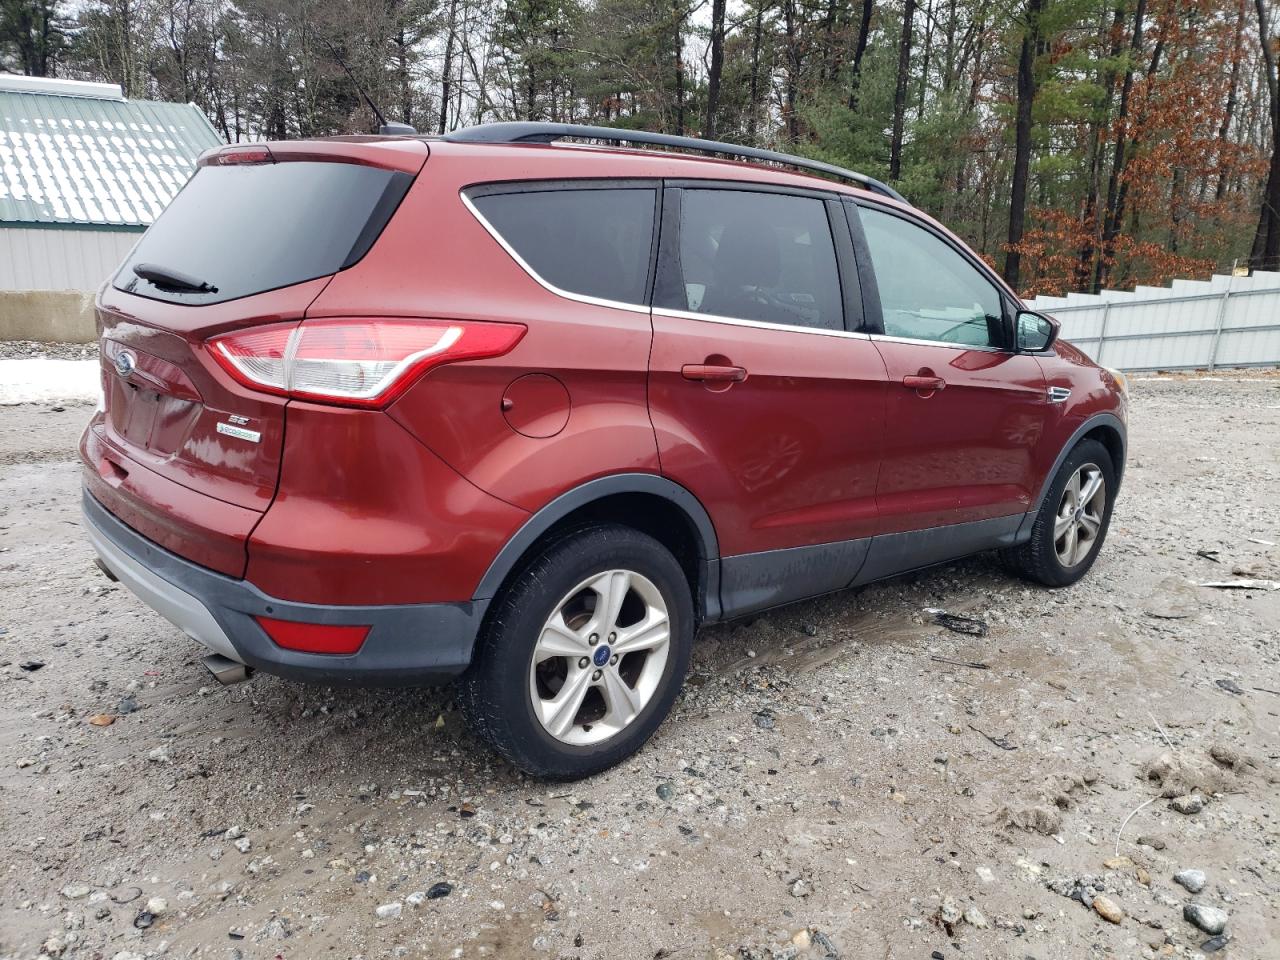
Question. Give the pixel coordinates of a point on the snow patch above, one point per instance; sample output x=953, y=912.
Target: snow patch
x=43, y=380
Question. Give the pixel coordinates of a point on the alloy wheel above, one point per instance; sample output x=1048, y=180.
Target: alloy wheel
x=599, y=657
x=1079, y=517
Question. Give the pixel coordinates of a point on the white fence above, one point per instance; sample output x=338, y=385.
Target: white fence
x=1193, y=324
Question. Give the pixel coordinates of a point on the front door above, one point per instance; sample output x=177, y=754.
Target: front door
x=965, y=411
x=766, y=405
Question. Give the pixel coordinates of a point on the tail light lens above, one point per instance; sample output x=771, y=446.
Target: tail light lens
x=314, y=637
x=358, y=362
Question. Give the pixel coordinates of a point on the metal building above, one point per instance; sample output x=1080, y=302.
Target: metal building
x=83, y=172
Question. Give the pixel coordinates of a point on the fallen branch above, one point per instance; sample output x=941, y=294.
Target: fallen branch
x=974, y=664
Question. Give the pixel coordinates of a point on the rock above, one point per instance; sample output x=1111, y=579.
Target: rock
x=416, y=899
x=388, y=911
x=1117, y=863
x=1107, y=909
x=159, y=755
x=1191, y=880
x=1209, y=919
x=102, y=720
x=157, y=906
x=77, y=891
x=439, y=890
x=243, y=844
x=764, y=720
x=950, y=913
x=973, y=916
x=1188, y=805
x=800, y=887
x=802, y=940
x=985, y=874
x=144, y=920
x=1182, y=775
x=1230, y=686
x=1040, y=817
x=233, y=833
x=1155, y=843
x=666, y=791
x=1214, y=944
x=126, y=706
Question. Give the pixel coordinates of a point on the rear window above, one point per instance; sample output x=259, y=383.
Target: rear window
x=252, y=228
x=594, y=243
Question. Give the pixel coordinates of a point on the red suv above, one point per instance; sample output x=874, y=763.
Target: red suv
x=395, y=410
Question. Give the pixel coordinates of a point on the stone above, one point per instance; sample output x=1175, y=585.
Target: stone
x=950, y=913
x=1188, y=805
x=157, y=906
x=439, y=890
x=1107, y=908
x=417, y=898
x=388, y=911
x=973, y=916
x=1209, y=919
x=666, y=791
x=1191, y=880
x=800, y=887
x=77, y=891
x=243, y=844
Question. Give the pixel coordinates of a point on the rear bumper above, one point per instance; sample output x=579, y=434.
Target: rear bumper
x=407, y=645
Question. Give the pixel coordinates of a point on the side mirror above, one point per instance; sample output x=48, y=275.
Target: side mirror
x=1035, y=332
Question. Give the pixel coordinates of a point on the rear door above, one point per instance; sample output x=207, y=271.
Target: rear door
x=767, y=401
x=251, y=240
x=965, y=411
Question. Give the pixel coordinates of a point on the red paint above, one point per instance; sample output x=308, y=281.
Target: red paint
x=786, y=438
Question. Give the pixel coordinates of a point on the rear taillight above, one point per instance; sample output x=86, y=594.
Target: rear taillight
x=360, y=361
x=314, y=637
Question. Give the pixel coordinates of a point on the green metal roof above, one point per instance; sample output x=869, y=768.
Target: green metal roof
x=90, y=160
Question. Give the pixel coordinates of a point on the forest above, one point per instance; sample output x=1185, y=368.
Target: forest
x=1076, y=144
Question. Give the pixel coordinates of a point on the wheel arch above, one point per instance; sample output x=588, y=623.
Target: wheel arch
x=645, y=501
x=1109, y=430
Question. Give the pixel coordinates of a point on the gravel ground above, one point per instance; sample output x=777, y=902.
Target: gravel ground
x=840, y=777
x=26, y=349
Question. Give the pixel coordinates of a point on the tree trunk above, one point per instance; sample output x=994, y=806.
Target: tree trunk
x=864, y=34
x=1265, y=253
x=717, y=65
x=793, y=70
x=753, y=106
x=446, y=71
x=900, y=90
x=1111, y=221
x=678, y=17
x=1022, y=141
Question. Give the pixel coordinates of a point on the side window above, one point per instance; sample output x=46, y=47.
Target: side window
x=591, y=242
x=929, y=291
x=757, y=256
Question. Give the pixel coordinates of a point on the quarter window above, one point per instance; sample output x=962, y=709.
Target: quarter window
x=928, y=290
x=766, y=257
x=591, y=242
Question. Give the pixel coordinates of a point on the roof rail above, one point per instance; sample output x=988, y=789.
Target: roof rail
x=537, y=132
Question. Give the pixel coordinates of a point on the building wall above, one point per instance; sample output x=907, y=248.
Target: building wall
x=48, y=276
x=60, y=258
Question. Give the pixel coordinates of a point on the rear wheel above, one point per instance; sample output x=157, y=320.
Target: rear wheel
x=583, y=654
x=1072, y=522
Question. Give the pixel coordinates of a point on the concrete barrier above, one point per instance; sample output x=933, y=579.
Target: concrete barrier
x=47, y=316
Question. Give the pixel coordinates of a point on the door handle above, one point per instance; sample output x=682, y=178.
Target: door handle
x=713, y=373
x=924, y=384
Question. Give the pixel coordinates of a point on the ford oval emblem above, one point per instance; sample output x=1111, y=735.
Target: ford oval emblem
x=126, y=363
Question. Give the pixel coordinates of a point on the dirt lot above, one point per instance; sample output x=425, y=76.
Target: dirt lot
x=826, y=787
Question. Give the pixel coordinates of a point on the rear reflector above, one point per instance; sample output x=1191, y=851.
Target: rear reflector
x=314, y=637
x=358, y=361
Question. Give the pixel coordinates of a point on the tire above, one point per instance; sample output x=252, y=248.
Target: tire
x=518, y=703
x=1046, y=558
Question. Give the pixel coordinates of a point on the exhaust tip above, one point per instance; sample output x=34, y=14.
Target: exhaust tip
x=225, y=670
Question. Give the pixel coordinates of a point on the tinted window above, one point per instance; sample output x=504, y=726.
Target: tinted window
x=757, y=256
x=590, y=242
x=251, y=228
x=928, y=290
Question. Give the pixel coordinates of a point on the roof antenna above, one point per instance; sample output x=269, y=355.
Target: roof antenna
x=384, y=128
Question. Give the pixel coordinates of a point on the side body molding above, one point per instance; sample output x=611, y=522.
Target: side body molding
x=566, y=503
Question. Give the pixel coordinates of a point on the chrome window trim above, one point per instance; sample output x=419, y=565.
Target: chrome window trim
x=758, y=324
x=520, y=262
x=937, y=343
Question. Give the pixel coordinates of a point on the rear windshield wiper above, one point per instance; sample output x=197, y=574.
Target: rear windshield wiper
x=169, y=279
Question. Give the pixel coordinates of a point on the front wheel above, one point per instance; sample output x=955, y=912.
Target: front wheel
x=1072, y=522
x=583, y=653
